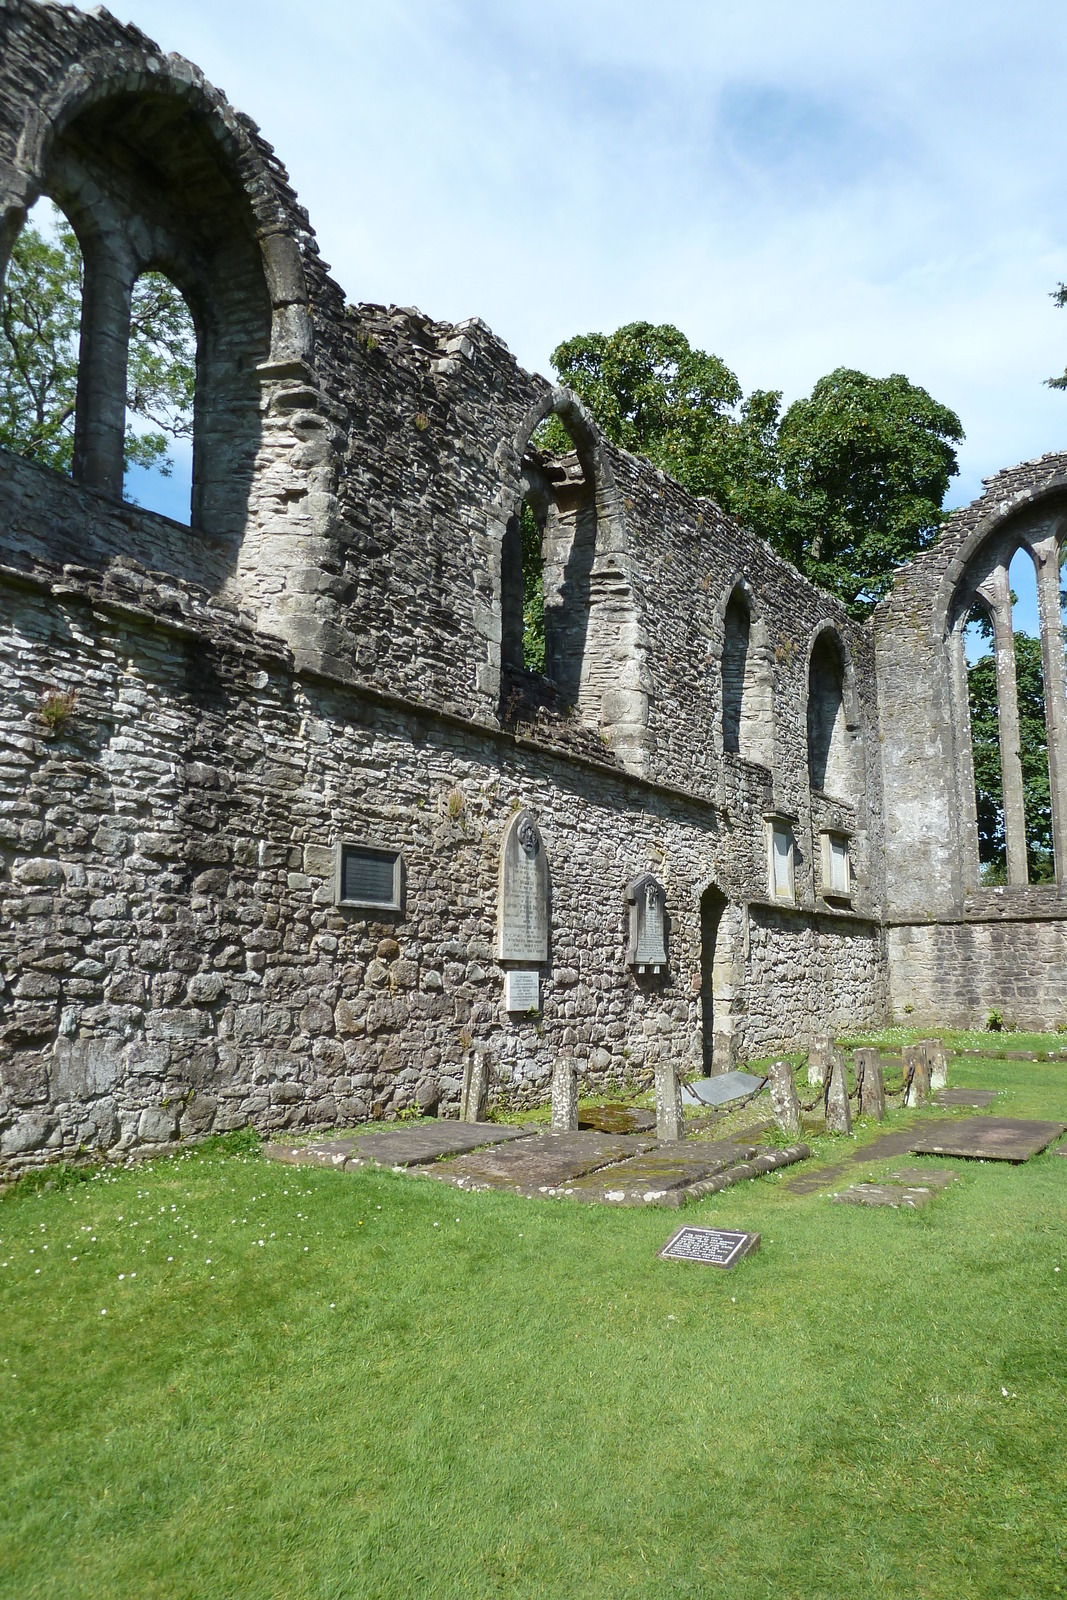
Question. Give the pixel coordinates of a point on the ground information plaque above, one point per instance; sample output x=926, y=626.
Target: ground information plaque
x=715, y=1247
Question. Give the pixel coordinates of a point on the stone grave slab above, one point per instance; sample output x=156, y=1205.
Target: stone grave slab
x=720, y=1090
x=988, y=1139
x=323, y=1153
x=643, y=1179
x=885, y=1194
x=616, y=1119
x=542, y=1162
x=978, y=1098
x=928, y=1177
x=428, y=1141
x=712, y=1247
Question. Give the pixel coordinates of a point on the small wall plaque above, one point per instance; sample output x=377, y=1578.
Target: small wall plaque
x=713, y=1247
x=648, y=925
x=369, y=876
x=522, y=991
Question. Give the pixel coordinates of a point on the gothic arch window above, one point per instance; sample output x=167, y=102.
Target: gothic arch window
x=547, y=562
x=150, y=185
x=747, y=713
x=1006, y=646
x=830, y=740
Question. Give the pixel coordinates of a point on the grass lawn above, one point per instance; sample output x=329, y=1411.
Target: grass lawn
x=223, y=1377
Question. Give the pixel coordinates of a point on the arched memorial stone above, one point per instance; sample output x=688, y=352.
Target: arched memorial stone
x=525, y=893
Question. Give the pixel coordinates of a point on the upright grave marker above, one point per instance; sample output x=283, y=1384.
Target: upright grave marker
x=838, y=1115
x=524, y=913
x=784, y=1102
x=565, y=1095
x=868, y=1064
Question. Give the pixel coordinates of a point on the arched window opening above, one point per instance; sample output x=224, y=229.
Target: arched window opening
x=546, y=566
x=173, y=300
x=737, y=629
x=1033, y=735
x=747, y=717
x=984, y=708
x=828, y=736
x=160, y=390
x=40, y=329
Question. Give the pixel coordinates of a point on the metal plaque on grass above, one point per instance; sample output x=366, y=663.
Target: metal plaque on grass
x=714, y=1247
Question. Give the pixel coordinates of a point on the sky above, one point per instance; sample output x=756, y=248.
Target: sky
x=796, y=187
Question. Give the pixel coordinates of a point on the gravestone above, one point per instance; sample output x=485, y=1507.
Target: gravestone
x=871, y=1084
x=647, y=900
x=712, y=1247
x=669, y=1123
x=819, y=1057
x=565, y=1095
x=474, y=1098
x=525, y=893
x=838, y=1115
x=917, y=1091
x=782, y=1084
x=937, y=1063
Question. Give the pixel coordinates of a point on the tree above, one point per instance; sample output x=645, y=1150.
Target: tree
x=40, y=319
x=1059, y=296
x=847, y=484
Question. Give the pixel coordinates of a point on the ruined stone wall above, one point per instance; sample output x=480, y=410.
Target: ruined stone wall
x=172, y=955
x=956, y=949
x=953, y=974
x=319, y=657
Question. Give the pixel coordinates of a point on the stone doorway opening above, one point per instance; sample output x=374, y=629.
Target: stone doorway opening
x=712, y=906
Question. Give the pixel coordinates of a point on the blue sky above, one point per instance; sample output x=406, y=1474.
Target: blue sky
x=796, y=187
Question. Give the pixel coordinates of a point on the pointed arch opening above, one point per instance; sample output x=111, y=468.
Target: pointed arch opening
x=830, y=740
x=154, y=194
x=747, y=713
x=547, y=562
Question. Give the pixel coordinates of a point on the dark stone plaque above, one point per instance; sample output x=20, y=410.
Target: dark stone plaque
x=713, y=1247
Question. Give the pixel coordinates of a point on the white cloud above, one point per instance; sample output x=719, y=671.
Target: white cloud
x=797, y=187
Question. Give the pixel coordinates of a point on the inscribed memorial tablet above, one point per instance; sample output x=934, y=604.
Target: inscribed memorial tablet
x=714, y=1247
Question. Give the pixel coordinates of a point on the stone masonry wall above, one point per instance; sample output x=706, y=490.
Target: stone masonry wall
x=172, y=957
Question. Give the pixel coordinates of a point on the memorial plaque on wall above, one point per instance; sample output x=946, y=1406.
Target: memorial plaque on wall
x=525, y=893
x=522, y=991
x=713, y=1247
x=648, y=924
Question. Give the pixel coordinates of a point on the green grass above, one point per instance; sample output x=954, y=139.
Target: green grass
x=407, y=1391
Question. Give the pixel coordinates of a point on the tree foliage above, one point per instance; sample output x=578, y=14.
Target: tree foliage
x=533, y=591
x=847, y=483
x=40, y=321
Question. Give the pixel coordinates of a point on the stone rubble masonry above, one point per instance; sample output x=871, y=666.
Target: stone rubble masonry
x=327, y=653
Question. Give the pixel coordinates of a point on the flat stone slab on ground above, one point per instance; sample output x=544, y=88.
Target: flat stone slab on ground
x=545, y=1161
x=616, y=1119
x=657, y=1172
x=979, y=1098
x=885, y=1194
x=323, y=1153
x=988, y=1139
x=428, y=1141
x=930, y=1177
x=712, y=1247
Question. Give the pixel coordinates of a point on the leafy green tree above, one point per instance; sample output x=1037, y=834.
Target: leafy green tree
x=40, y=319
x=1033, y=748
x=847, y=484
x=533, y=591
